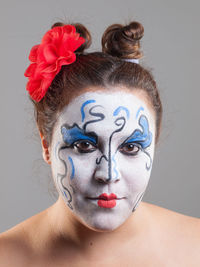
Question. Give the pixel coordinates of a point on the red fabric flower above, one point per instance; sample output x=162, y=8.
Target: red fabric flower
x=56, y=49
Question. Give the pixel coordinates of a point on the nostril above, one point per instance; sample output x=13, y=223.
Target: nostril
x=104, y=174
x=102, y=180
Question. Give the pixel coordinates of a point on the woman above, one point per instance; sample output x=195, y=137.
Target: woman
x=99, y=118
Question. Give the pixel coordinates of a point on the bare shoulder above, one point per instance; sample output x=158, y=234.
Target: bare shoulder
x=176, y=221
x=13, y=247
x=16, y=244
x=179, y=234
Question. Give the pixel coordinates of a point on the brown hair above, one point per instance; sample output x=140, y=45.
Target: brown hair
x=99, y=69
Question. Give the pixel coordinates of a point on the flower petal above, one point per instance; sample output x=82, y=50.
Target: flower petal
x=33, y=53
x=67, y=60
x=48, y=68
x=71, y=44
x=49, y=54
x=69, y=29
x=30, y=70
x=56, y=49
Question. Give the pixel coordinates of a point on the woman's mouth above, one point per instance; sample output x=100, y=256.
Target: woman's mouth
x=106, y=201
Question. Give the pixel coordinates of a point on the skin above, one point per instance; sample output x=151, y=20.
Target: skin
x=114, y=132
x=61, y=236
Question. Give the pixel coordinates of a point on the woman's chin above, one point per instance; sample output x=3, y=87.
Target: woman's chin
x=104, y=223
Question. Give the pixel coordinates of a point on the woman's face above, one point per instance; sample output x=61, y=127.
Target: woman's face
x=101, y=155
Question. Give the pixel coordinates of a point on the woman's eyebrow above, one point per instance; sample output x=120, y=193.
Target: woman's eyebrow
x=74, y=133
x=144, y=137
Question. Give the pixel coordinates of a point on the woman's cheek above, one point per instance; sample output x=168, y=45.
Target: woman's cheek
x=134, y=173
x=80, y=169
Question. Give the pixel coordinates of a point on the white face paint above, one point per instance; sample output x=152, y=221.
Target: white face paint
x=101, y=156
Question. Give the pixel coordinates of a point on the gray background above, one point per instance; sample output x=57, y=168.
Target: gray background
x=171, y=48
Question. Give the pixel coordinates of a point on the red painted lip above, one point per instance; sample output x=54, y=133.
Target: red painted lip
x=104, y=196
x=108, y=204
x=106, y=201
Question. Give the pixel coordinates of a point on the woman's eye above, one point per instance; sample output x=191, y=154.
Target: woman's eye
x=130, y=149
x=84, y=147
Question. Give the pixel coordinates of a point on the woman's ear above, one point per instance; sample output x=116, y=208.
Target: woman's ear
x=45, y=149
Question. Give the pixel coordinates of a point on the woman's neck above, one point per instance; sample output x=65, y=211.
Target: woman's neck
x=66, y=226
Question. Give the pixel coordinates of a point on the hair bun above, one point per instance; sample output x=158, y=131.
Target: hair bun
x=83, y=33
x=123, y=41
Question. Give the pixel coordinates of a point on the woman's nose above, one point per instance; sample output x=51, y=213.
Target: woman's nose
x=105, y=171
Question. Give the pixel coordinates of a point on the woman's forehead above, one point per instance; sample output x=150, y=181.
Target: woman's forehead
x=104, y=113
x=111, y=104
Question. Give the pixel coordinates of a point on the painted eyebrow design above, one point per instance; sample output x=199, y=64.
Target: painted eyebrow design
x=144, y=137
x=74, y=133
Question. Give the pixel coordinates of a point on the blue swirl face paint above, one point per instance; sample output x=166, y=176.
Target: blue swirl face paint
x=72, y=165
x=83, y=106
x=138, y=112
x=114, y=167
x=144, y=137
x=74, y=134
x=119, y=109
x=106, y=125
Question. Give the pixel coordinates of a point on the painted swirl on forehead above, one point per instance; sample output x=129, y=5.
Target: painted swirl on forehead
x=99, y=115
x=120, y=108
x=83, y=106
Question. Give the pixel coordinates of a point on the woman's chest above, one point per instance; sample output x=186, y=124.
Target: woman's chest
x=151, y=259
